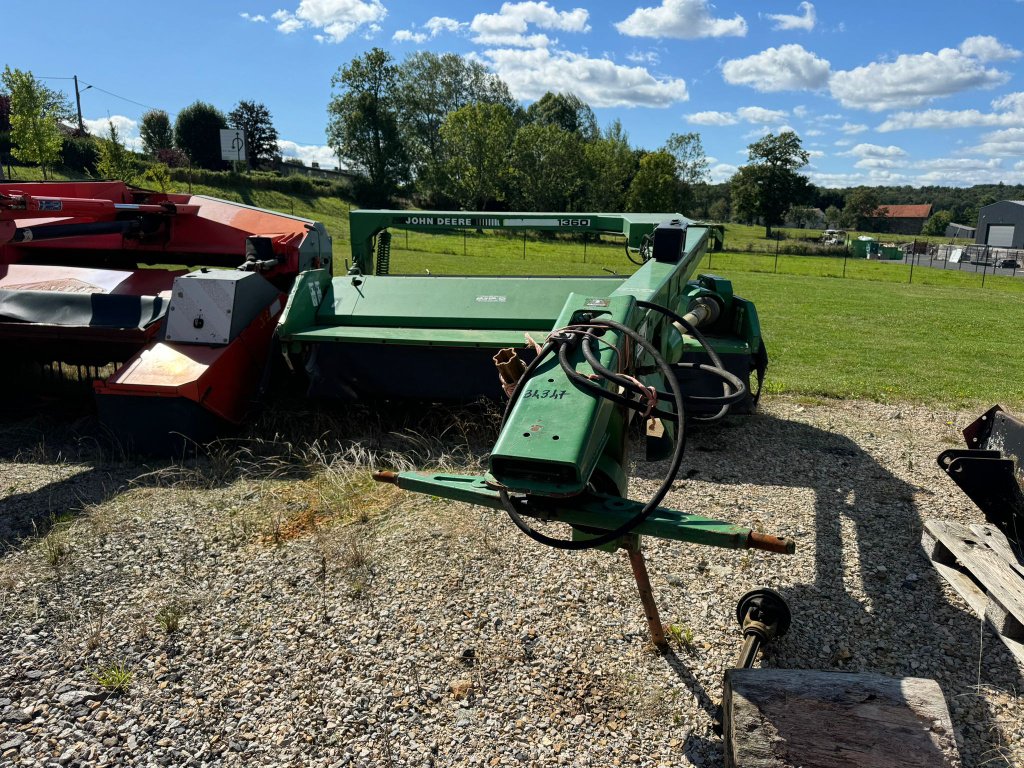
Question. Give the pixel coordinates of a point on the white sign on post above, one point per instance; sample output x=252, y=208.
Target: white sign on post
x=232, y=144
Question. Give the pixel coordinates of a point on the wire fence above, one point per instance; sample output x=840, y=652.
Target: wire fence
x=973, y=267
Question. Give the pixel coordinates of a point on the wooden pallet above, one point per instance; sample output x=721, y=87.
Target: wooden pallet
x=979, y=564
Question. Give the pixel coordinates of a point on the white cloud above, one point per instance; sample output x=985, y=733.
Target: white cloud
x=287, y=22
x=987, y=48
x=813, y=132
x=786, y=68
x=722, y=172
x=875, y=151
x=814, y=153
x=712, y=118
x=961, y=171
x=745, y=114
x=510, y=24
x=309, y=153
x=408, y=36
x=764, y=130
x=852, y=128
x=682, y=19
x=1005, y=143
x=1009, y=111
x=761, y=115
x=800, y=111
x=127, y=129
x=531, y=73
x=912, y=80
x=640, y=57
x=788, y=21
x=259, y=18
x=879, y=162
x=435, y=25
x=336, y=19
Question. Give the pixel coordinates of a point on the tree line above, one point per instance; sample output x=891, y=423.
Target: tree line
x=37, y=127
x=442, y=131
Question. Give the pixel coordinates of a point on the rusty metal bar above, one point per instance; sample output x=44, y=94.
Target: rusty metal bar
x=643, y=585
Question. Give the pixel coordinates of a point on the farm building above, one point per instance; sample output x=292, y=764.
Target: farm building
x=960, y=230
x=901, y=219
x=1001, y=224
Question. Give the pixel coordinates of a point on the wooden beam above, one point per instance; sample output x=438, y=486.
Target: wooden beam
x=778, y=718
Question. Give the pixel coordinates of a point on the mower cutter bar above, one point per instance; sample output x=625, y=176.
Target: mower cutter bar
x=595, y=511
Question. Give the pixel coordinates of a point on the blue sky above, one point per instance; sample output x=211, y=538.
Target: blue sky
x=897, y=92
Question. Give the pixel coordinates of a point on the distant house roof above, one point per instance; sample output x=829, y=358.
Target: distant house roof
x=904, y=211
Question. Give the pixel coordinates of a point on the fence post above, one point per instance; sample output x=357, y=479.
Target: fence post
x=984, y=268
x=463, y=242
x=846, y=255
x=911, y=269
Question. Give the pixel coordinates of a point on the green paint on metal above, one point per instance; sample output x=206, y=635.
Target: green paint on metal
x=365, y=224
x=592, y=510
x=556, y=432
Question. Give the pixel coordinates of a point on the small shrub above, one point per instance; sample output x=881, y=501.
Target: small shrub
x=680, y=635
x=116, y=677
x=169, y=618
x=159, y=176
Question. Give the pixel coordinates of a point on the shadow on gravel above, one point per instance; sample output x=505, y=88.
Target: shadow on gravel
x=871, y=520
x=89, y=465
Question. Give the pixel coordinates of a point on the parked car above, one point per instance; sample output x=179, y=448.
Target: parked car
x=1008, y=264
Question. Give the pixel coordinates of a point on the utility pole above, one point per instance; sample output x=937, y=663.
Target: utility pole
x=78, y=101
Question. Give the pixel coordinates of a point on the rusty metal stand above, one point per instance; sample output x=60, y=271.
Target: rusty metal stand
x=643, y=585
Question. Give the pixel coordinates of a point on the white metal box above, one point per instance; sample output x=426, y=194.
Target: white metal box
x=214, y=306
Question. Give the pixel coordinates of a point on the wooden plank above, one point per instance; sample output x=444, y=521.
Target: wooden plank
x=996, y=540
x=777, y=718
x=980, y=565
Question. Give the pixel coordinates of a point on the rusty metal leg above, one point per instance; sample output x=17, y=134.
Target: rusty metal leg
x=643, y=584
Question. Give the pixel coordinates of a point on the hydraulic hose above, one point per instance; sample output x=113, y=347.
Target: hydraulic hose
x=562, y=340
x=717, y=368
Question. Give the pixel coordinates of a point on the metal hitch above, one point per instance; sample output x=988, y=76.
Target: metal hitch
x=990, y=471
x=763, y=615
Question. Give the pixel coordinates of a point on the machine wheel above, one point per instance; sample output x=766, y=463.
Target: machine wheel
x=770, y=608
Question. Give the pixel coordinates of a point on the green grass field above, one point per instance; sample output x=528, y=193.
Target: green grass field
x=943, y=340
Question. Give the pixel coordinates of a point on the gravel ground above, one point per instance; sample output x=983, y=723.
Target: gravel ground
x=274, y=611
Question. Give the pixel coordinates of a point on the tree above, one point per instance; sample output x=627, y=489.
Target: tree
x=363, y=126
x=802, y=216
x=116, y=161
x=36, y=113
x=655, y=188
x=5, y=130
x=861, y=207
x=769, y=184
x=156, y=132
x=197, y=134
x=260, y=134
x=429, y=88
x=691, y=166
x=476, y=141
x=610, y=167
x=719, y=211
x=544, y=168
x=567, y=111
x=832, y=217
x=937, y=223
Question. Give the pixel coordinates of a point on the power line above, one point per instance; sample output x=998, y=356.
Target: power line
x=118, y=96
